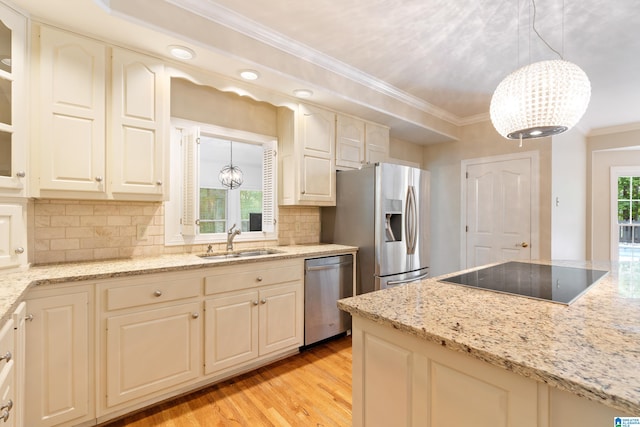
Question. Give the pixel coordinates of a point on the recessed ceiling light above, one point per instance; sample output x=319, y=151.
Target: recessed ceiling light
x=249, y=74
x=181, y=52
x=303, y=93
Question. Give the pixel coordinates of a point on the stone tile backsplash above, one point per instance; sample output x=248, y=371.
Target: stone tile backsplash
x=78, y=230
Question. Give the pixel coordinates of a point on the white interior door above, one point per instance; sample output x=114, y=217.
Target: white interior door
x=498, y=219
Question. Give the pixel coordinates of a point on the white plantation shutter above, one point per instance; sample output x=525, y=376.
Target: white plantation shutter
x=190, y=191
x=268, y=187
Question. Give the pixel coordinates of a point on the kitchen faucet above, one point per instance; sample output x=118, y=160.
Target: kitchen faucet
x=230, y=235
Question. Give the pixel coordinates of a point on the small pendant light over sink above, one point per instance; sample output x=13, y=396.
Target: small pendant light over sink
x=541, y=99
x=230, y=176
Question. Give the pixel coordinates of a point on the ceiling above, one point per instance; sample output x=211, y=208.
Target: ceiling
x=424, y=67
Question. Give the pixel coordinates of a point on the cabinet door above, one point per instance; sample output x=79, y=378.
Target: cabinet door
x=317, y=174
x=231, y=330
x=281, y=317
x=376, y=143
x=137, y=124
x=13, y=112
x=349, y=142
x=72, y=133
x=12, y=236
x=151, y=351
x=57, y=373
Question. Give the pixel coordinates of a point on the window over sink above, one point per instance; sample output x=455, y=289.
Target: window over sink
x=201, y=209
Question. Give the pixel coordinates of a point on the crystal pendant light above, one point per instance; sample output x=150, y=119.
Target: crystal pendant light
x=230, y=176
x=541, y=99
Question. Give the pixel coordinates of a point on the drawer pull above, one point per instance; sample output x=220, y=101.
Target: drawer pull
x=158, y=293
x=263, y=301
x=259, y=278
x=8, y=406
x=255, y=302
x=195, y=315
x=4, y=416
x=7, y=356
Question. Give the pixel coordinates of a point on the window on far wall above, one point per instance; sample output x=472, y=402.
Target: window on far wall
x=201, y=209
x=628, y=213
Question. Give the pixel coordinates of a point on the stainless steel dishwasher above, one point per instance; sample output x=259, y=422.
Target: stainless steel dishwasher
x=326, y=280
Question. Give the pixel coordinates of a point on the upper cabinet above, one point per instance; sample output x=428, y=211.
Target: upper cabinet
x=359, y=142
x=13, y=107
x=307, y=160
x=138, y=125
x=77, y=154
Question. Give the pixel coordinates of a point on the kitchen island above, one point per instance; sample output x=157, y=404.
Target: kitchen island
x=433, y=353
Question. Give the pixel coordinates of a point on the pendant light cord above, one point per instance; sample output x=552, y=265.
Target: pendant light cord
x=538, y=34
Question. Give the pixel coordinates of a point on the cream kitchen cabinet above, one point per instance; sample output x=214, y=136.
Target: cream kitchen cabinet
x=77, y=154
x=13, y=105
x=359, y=142
x=13, y=235
x=262, y=317
x=434, y=386
x=306, y=140
x=59, y=374
x=150, y=337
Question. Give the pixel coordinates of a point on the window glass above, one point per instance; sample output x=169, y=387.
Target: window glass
x=624, y=188
x=213, y=210
x=5, y=154
x=251, y=210
x=5, y=48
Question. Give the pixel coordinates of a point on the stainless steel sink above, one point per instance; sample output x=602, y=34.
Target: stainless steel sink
x=240, y=254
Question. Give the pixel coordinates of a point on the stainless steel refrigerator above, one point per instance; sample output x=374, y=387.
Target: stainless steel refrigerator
x=383, y=209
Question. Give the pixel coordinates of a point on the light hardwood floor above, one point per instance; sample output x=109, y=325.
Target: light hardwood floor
x=312, y=388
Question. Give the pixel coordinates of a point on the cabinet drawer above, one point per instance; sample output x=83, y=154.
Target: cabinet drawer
x=152, y=293
x=243, y=279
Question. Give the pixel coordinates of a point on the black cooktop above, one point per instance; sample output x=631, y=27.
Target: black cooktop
x=546, y=282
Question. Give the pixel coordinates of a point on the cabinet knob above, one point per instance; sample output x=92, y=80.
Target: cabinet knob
x=8, y=406
x=99, y=179
x=19, y=250
x=7, y=356
x=29, y=317
x=4, y=416
x=304, y=192
x=259, y=278
x=263, y=301
x=158, y=293
x=21, y=174
x=255, y=302
x=158, y=182
x=195, y=315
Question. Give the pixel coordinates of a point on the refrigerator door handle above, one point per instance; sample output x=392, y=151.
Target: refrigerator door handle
x=402, y=282
x=410, y=220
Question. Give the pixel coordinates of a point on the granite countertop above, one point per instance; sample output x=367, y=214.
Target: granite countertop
x=590, y=348
x=14, y=285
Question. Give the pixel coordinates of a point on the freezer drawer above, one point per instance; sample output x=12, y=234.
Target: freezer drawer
x=326, y=281
x=401, y=279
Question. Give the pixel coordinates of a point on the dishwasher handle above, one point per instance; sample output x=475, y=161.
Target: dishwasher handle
x=328, y=266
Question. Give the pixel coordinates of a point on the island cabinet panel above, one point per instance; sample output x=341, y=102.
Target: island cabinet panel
x=59, y=371
x=401, y=380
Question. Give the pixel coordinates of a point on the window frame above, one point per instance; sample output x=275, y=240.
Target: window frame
x=179, y=232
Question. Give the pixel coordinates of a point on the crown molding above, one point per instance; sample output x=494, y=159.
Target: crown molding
x=614, y=129
x=476, y=118
x=239, y=23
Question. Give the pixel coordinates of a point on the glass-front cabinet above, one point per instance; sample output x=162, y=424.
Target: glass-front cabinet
x=13, y=140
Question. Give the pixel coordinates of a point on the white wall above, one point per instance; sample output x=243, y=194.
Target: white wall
x=444, y=162
x=604, y=152
x=569, y=196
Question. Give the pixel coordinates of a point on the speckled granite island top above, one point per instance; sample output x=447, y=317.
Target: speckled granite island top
x=590, y=348
x=14, y=285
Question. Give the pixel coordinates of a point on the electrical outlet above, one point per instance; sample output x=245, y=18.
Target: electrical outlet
x=141, y=232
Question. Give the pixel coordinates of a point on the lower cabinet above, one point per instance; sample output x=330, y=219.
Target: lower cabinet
x=151, y=333
x=59, y=377
x=242, y=326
